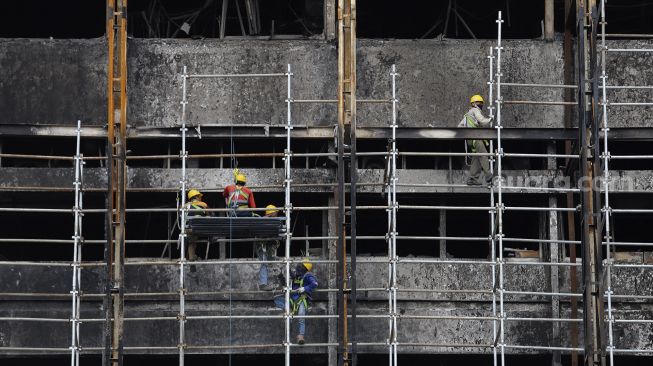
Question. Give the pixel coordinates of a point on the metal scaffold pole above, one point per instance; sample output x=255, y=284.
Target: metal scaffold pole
x=287, y=211
x=499, y=203
x=182, y=221
x=493, y=252
x=392, y=226
x=77, y=253
x=607, y=211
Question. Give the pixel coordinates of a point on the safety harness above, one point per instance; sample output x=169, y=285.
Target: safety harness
x=197, y=205
x=471, y=122
x=303, y=298
x=238, y=199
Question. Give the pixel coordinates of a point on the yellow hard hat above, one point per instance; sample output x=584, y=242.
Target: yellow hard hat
x=194, y=192
x=476, y=98
x=241, y=178
x=270, y=209
x=307, y=264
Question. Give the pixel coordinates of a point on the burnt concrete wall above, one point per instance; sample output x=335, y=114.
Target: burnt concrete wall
x=52, y=81
x=311, y=180
x=164, y=332
x=630, y=69
x=60, y=81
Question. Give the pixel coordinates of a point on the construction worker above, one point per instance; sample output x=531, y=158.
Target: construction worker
x=303, y=284
x=266, y=250
x=479, y=169
x=195, y=207
x=237, y=196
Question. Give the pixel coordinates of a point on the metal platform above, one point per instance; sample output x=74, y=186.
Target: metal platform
x=237, y=227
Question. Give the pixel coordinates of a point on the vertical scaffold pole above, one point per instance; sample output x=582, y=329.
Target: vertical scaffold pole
x=393, y=218
x=77, y=253
x=389, y=240
x=182, y=223
x=607, y=211
x=493, y=252
x=499, y=203
x=287, y=211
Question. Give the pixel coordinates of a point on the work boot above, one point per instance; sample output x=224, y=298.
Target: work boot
x=300, y=339
x=473, y=182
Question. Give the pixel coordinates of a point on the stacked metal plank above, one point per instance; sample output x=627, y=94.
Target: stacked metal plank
x=238, y=227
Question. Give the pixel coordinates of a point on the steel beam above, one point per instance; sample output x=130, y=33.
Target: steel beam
x=591, y=234
x=116, y=33
x=346, y=139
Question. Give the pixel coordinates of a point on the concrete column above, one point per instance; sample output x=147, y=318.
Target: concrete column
x=330, y=19
x=548, y=20
x=332, y=306
x=554, y=253
x=443, y=232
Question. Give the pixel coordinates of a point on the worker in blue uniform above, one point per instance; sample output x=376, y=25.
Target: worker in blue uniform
x=303, y=284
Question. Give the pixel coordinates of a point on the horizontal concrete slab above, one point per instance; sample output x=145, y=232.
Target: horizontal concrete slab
x=316, y=180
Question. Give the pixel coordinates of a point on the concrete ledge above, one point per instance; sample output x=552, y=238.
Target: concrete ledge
x=316, y=180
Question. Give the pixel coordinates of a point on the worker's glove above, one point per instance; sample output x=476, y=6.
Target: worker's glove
x=301, y=290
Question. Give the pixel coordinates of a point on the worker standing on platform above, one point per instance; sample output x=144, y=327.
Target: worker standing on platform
x=479, y=170
x=237, y=196
x=303, y=284
x=195, y=207
x=266, y=249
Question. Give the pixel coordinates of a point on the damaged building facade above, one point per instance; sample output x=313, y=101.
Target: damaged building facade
x=102, y=135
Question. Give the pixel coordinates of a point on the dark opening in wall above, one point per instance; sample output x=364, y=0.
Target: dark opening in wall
x=458, y=162
x=629, y=226
x=49, y=146
x=44, y=19
x=376, y=18
x=453, y=19
x=202, y=18
x=143, y=226
x=55, y=226
x=630, y=148
x=163, y=18
x=629, y=17
x=257, y=150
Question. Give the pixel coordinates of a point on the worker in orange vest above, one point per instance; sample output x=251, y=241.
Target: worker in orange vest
x=237, y=197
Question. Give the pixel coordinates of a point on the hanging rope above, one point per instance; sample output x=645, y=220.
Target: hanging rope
x=234, y=166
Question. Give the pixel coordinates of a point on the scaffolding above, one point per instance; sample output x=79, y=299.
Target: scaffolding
x=496, y=322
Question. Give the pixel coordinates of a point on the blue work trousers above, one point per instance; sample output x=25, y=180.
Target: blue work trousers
x=280, y=302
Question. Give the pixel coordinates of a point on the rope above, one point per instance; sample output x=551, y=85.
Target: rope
x=232, y=163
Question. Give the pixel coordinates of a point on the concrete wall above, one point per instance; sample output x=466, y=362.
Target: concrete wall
x=271, y=180
x=164, y=278
x=52, y=81
x=60, y=81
